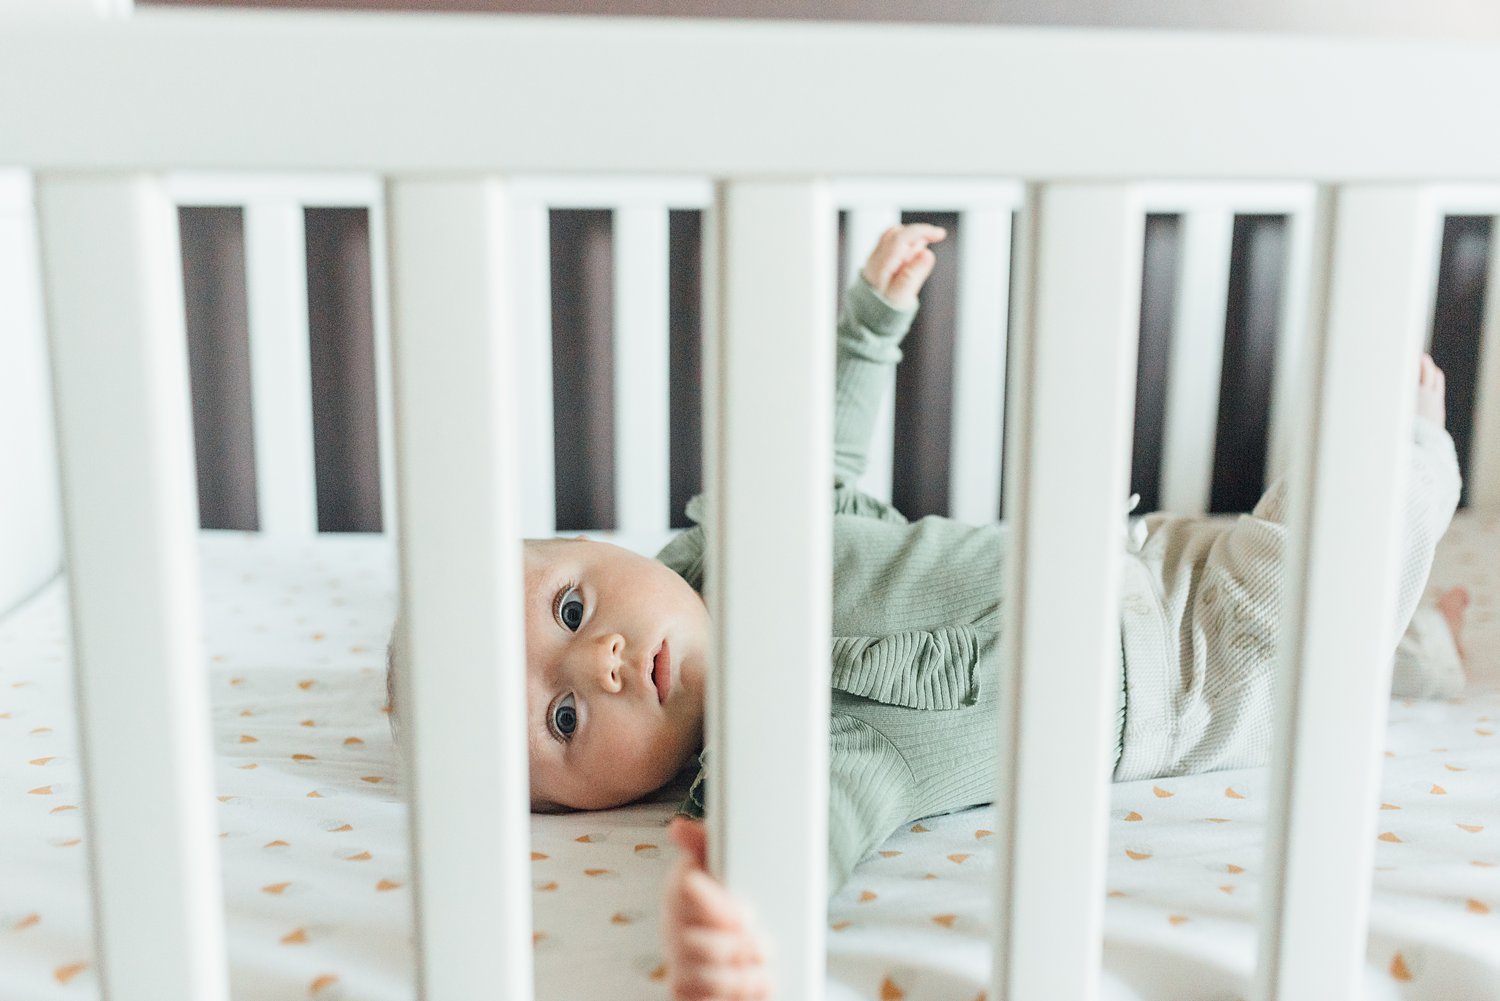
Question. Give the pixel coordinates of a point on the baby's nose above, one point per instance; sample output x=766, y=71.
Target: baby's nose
x=608, y=665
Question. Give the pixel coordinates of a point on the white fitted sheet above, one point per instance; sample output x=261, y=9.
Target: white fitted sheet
x=313, y=827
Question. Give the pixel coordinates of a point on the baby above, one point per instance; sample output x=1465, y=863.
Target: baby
x=617, y=647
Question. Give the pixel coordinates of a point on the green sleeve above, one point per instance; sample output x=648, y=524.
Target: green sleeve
x=870, y=332
x=870, y=793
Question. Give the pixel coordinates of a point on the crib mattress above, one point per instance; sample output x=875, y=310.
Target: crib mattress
x=313, y=827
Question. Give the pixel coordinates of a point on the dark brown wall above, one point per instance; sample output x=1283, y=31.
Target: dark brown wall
x=583, y=396
x=213, y=278
x=924, y=383
x=1251, y=327
x=1158, y=304
x=340, y=307
x=1468, y=242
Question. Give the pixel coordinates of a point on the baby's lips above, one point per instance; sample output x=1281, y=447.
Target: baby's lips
x=661, y=671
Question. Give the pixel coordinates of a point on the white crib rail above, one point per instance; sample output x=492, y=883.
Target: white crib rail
x=771, y=556
x=407, y=110
x=1067, y=514
x=111, y=269
x=465, y=693
x=1346, y=514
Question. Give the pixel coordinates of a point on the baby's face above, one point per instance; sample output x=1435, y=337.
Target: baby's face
x=616, y=653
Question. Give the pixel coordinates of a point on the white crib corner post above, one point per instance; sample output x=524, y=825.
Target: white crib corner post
x=114, y=305
x=768, y=401
x=1484, y=455
x=1347, y=493
x=1070, y=453
x=642, y=341
x=464, y=693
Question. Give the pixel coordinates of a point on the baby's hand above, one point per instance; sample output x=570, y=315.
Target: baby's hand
x=901, y=262
x=712, y=953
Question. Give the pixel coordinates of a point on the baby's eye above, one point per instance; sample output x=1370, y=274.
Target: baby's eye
x=564, y=717
x=569, y=609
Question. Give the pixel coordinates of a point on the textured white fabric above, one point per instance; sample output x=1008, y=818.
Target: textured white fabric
x=1427, y=659
x=1201, y=610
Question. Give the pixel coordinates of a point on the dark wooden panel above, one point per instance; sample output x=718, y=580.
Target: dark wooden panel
x=218, y=335
x=1252, y=325
x=583, y=367
x=340, y=313
x=1457, y=323
x=1158, y=305
x=685, y=266
x=924, y=384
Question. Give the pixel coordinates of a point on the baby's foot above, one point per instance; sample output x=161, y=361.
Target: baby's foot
x=1430, y=393
x=1453, y=603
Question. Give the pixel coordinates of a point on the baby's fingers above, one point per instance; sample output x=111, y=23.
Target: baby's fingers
x=910, y=277
x=910, y=235
x=901, y=261
x=700, y=946
x=703, y=900
x=691, y=838
x=722, y=984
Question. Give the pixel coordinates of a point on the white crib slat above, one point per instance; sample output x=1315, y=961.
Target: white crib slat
x=1197, y=356
x=642, y=358
x=768, y=395
x=1484, y=455
x=464, y=695
x=1300, y=281
x=862, y=228
x=113, y=282
x=531, y=240
x=280, y=369
x=1321, y=832
x=1073, y=440
x=979, y=364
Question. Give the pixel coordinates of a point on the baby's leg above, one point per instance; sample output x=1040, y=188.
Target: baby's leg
x=1432, y=491
x=1222, y=598
x=1429, y=658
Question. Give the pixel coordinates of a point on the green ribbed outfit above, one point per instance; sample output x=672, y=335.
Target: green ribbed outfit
x=916, y=626
x=917, y=615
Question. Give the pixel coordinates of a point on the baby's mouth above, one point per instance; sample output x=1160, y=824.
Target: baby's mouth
x=661, y=671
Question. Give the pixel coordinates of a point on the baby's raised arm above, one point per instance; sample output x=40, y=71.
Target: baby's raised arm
x=877, y=311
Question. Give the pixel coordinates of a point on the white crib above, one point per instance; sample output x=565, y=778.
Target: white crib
x=1081, y=132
